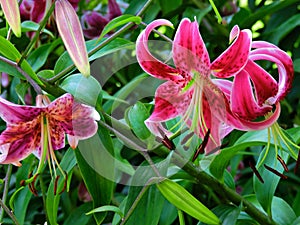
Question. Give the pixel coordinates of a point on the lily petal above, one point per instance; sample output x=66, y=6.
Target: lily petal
x=70, y=31
x=18, y=141
x=13, y=113
x=284, y=64
x=265, y=85
x=148, y=62
x=170, y=101
x=12, y=14
x=189, y=51
x=243, y=102
x=247, y=125
x=233, y=60
x=74, y=118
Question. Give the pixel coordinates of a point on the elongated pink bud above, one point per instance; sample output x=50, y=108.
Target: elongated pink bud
x=12, y=14
x=70, y=31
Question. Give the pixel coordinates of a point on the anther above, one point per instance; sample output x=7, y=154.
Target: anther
x=255, y=171
x=201, y=148
x=168, y=143
x=275, y=172
x=186, y=138
x=282, y=163
x=55, y=184
x=65, y=184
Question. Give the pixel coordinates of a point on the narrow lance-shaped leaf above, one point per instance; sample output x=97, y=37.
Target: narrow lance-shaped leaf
x=186, y=202
x=12, y=14
x=71, y=33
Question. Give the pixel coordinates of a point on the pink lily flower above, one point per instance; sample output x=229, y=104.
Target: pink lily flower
x=254, y=91
x=254, y=94
x=189, y=91
x=41, y=129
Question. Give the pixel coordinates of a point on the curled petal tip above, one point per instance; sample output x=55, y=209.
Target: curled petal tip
x=12, y=14
x=71, y=33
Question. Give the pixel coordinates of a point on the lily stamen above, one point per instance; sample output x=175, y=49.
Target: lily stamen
x=201, y=148
x=282, y=163
x=255, y=171
x=275, y=172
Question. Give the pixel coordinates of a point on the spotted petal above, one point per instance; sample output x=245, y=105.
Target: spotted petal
x=170, y=102
x=265, y=85
x=235, y=57
x=13, y=113
x=243, y=102
x=68, y=116
x=147, y=61
x=189, y=51
x=19, y=140
x=284, y=64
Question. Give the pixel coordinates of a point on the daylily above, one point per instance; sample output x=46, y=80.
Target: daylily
x=41, y=129
x=94, y=22
x=70, y=31
x=189, y=90
x=12, y=14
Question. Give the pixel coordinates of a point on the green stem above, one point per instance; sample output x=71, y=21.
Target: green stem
x=36, y=87
x=216, y=11
x=11, y=215
x=105, y=42
x=138, y=199
x=5, y=191
x=37, y=33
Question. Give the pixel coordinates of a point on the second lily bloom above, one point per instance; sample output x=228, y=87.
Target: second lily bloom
x=199, y=90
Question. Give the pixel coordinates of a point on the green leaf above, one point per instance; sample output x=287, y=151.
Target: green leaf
x=32, y=26
x=119, y=21
x=116, y=45
x=39, y=56
x=137, y=115
x=52, y=201
x=168, y=214
x=78, y=216
x=265, y=191
x=150, y=205
x=96, y=163
x=228, y=214
x=285, y=28
x=8, y=50
x=167, y=6
x=250, y=138
x=248, y=21
x=85, y=89
x=186, y=202
x=282, y=213
x=106, y=208
x=22, y=90
x=297, y=65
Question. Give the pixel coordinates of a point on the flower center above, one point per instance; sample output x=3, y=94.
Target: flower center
x=194, y=115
